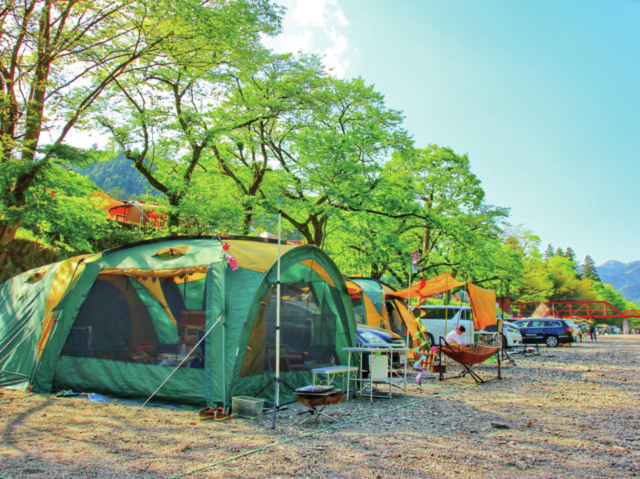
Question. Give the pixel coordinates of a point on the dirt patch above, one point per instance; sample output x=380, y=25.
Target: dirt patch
x=571, y=412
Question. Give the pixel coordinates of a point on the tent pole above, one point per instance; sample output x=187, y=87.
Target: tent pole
x=408, y=312
x=446, y=310
x=224, y=327
x=276, y=402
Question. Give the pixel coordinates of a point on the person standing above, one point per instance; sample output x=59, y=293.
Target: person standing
x=592, y=330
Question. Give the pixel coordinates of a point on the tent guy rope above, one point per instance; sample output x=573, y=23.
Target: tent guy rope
x=313, y=433
x=181, y=362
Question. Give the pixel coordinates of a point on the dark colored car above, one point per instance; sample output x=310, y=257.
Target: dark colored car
x=550, y=331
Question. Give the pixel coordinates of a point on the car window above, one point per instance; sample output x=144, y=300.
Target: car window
x=439, y=313
x=554, y=324
x=467, y=314
x=537, y=324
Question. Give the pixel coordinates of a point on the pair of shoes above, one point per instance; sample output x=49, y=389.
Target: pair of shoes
x=216, y=414
x=207, y=413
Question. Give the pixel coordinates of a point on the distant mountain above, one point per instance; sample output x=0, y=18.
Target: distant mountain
x=625, y=277
x=118, y=178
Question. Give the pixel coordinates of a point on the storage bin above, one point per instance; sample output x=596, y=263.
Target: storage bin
x=243, y=406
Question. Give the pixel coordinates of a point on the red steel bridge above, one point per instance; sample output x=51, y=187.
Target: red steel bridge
x=571, y=309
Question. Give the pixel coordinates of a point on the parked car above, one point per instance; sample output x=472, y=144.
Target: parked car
x=550, y=331
x=440, y=320
x=575, y=329
x=512, y=334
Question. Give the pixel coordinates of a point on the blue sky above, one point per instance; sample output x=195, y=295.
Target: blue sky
x=544, y=97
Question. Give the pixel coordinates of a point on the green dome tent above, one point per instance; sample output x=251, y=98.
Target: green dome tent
x=119, y=322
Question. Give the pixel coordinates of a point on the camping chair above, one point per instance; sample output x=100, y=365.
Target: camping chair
x=426, y=364
x=467, y=358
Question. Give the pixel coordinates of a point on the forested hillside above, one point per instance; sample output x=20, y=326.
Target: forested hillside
x=625, y=277
x=119, y=178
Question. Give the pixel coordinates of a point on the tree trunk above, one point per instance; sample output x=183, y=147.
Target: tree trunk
x=172, y=218
x=38, y=88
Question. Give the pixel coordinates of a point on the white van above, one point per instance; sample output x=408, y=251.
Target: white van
x=441, y=320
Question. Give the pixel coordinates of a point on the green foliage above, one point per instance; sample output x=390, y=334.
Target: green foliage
x=536, y=285
x=605, y=292
x=61, y=212
x=567, y=285
x=589, y=270
x=427, y=202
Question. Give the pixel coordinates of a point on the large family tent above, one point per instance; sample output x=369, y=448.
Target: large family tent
x=120, y=322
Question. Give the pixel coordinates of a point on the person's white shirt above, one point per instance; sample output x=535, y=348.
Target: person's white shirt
x=454, y=338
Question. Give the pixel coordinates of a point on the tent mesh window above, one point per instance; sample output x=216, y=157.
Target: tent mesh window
x=358, y=308
x=141, y=320
x=309, y=311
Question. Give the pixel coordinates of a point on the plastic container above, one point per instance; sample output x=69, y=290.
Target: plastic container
x=243, y=406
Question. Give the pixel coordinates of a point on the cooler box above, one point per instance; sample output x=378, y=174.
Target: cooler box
x=243, y=406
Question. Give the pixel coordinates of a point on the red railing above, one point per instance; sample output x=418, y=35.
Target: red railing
x=570, y=309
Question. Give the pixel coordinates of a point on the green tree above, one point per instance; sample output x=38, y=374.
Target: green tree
x=56, y=59
x=536, y=285
x=270, y=104
x=434, y=206
x=548, y=253
x=333, y=158
x=61, y=212
x=166, y=116
x=589, y=270
x=569, y=254
x=523, y=241
x=567, y=285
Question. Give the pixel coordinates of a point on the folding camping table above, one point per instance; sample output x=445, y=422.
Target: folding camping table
x=332, y=371
x=387, y=375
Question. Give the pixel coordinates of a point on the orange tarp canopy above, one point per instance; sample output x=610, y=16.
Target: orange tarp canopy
x=483, y=304
x=439, y=284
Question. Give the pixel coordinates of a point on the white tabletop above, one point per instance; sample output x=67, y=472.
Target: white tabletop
x=334, y=369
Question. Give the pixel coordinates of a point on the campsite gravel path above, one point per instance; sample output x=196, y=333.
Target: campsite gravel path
x=571, y=412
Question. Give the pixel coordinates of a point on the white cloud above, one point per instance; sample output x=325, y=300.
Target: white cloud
x=314, y=26
x=299, y=43
x=339, y=14
x=310, y=11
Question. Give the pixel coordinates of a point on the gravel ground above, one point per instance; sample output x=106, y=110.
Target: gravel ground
x=570, y=412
